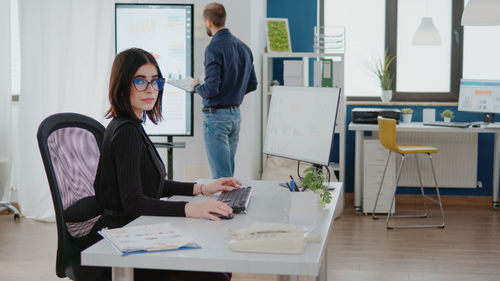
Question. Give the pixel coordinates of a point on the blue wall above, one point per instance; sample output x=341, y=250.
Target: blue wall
x=302, y=19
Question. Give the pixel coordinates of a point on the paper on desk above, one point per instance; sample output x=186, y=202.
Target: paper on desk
x=147, y=238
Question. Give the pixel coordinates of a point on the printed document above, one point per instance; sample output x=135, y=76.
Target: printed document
x=147, y=238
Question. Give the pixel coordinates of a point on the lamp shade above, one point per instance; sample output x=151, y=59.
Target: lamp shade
x=481, y=12
x=426, y=34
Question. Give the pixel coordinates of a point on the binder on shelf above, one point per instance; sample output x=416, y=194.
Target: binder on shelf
x=327, y=73
x=147, y=238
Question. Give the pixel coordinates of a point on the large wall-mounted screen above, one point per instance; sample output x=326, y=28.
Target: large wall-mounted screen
x=166, y=31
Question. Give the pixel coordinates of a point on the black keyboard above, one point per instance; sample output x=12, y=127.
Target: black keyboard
x=449, y=124
x=237, y=198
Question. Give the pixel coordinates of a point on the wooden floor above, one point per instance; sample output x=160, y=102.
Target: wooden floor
x=360, y=248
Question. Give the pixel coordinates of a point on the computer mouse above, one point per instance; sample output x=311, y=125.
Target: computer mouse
x=230, y=216
x=475, y=125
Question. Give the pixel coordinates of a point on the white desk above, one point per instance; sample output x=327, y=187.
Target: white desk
x=419, y=127
x=266, y=205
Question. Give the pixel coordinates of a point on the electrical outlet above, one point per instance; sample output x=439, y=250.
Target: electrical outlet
x=480, y=184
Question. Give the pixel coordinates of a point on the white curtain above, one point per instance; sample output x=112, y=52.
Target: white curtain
x=5, y=100
x=67, y=47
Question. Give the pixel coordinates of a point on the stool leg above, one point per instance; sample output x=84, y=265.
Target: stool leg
x=421, y=187
x=425, y=196
x=380, y=187
x=437, y=192
x=394, y=194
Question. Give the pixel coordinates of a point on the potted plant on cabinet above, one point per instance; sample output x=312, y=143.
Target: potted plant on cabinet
x=447, y=115
x=385, y=76
x=407, y=113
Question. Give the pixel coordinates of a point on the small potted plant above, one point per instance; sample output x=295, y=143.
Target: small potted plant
x=385, y=76
x=447, y=115
x=314, y=180
x=407, y=113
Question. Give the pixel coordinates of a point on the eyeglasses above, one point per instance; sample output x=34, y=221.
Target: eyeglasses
x=142, y=84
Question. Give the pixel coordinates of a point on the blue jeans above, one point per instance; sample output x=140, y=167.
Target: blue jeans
x=221, y=131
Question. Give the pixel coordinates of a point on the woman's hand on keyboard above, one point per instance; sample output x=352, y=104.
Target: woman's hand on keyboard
x=207, y=209
x=221, y=184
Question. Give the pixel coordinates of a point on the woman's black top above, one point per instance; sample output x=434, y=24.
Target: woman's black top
x=130, y=176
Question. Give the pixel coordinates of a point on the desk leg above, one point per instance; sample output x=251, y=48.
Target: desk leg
x=323, y=267
x=496, y=167
x=358, y=170
x=122, y=274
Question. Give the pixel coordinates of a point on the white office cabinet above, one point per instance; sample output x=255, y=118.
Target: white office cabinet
x=375, y=157
x=338, y=81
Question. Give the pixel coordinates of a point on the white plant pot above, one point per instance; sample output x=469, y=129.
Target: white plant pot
x=407, y=118
x=447, y=119
x=386, y=95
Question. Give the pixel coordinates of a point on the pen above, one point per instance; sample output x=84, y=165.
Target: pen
x=292, y=184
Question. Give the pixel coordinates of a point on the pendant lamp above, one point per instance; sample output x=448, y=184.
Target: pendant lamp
x=427, y=33
x=481, y=13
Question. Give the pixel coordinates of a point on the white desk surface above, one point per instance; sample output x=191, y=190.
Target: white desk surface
x=420, y=127
x=266, y=205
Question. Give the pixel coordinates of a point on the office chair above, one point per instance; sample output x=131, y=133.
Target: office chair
x=3, y=184
x=70, y=147
x=387, y=137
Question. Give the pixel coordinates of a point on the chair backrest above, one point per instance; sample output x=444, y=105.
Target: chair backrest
x=387, y=133
x=70, y=147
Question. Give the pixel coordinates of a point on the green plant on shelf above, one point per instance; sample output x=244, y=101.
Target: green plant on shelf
x=406, y=111
x=383, y=72
x=314, y=180
x=447, y=114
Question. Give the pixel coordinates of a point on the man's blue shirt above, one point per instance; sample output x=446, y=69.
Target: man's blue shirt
x=229, y=71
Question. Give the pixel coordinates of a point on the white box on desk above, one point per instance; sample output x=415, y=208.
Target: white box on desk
x=303, y=207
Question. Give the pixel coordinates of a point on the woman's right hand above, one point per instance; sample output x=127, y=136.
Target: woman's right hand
x=206, y=208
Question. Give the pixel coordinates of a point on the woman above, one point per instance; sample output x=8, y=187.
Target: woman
x=130, y=177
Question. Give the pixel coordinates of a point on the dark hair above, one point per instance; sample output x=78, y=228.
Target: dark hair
x=216, y=13
x=124, y=68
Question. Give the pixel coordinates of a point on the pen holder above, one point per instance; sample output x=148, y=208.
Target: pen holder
x=304, y=207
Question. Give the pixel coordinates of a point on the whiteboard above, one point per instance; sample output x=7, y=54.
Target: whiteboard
x=301, y=123
x=164, y=30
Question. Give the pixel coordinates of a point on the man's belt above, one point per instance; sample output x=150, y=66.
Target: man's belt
x=213, y=109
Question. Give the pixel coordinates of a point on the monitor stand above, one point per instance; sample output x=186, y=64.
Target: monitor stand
x=489, y=118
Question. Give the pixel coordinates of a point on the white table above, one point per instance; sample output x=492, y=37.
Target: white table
x=267, y=205
x=419, y=127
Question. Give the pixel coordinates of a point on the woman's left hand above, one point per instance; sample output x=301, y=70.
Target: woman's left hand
x=221, y=184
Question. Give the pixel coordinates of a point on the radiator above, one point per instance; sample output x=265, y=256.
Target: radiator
x=455, y=163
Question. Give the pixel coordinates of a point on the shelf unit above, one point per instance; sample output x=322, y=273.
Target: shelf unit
x=338, y=81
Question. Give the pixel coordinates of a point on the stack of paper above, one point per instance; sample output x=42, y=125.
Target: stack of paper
x=147, y=238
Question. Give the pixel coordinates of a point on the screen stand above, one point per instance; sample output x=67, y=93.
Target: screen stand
x=170, y=145
x=489, y=118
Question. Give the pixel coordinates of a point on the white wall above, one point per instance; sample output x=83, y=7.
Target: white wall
x=245, y=19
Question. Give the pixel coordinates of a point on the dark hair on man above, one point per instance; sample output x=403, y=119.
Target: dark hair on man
x=216, y=13
x=124, y=68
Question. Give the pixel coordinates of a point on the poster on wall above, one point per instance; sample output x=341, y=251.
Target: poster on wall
x=278, y=35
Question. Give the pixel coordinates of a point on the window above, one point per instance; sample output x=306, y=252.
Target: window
x=484, y=40
x=423, y=73
x=364, y=37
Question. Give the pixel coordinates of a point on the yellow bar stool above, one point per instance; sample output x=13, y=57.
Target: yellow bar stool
x=387, y=137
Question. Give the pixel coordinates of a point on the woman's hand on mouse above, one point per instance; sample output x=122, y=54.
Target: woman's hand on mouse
x=206, y=208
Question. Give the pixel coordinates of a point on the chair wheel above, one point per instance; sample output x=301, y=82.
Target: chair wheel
x=441, y=226
x=390, y=227
x=16, y=217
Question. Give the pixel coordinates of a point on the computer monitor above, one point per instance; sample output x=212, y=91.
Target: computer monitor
x=166, y=31
x=480, y=96
x=301, y=123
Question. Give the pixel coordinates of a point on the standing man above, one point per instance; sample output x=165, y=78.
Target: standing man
x=229, y=75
